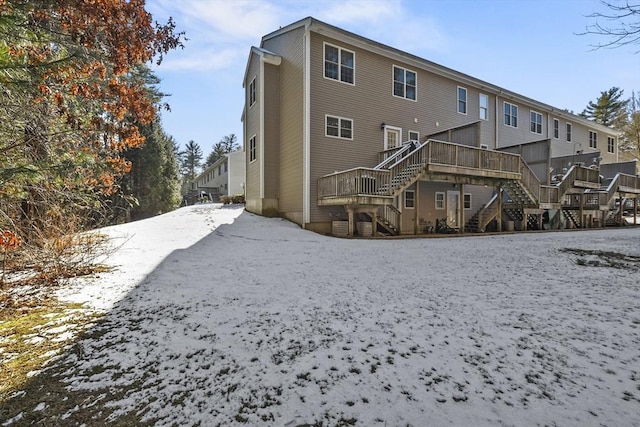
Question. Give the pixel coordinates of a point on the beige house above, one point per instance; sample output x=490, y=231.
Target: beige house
x=224, y=177
x=343, y=134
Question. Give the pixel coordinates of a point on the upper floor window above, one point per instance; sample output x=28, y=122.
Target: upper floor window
x=510, y=115
x=484, y=107
x=569, y=131
x=339, y=127
x=252, y=92
x=252, y=148
x=556, y=128
x=404, y=83
x=220, y=170
x=536, y=122
x=339, y=64
x=414, y=136
x=593, y=139
x=611, y=145
x=226, y=166
x=462, y=100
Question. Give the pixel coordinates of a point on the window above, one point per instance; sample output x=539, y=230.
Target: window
x=439, y=200
x=536, y=122
x=409, y=199
x=569, y=132
x=611, y=145
x=226, y=166
x=593, y=139
x=414, y=136
x=339, y=64
x=404, y=83
x=484, y=107
x=338, y=127
x=467, y=201
x=252, y=148
x=462, y=100
x=252, y=92
x=510, y=115
x=556, y=128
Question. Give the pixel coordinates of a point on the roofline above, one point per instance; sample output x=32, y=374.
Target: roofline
x=321, y=27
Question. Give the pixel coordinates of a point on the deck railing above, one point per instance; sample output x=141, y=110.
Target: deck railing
x=357, y=181
x=446, y=153
x=549, y=194
x=382, y=182
x=620, y=180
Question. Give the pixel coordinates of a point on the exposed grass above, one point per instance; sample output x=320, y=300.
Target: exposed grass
x=594, y=258
x=31, y=337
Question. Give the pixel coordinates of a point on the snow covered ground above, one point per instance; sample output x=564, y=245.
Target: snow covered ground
x=215, y=316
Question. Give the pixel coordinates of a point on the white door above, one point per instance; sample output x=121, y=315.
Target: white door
x=453, y=208
x=392, y=137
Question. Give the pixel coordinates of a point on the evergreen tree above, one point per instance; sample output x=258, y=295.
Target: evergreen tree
x=190, y=161
x=153, y=180
x=630, y=138
x=226, y=145
x=608, y=108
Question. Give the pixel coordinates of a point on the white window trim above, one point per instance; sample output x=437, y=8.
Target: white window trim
x=252, y=91
x=409, y=135
x=470, y=201
x=503, y=107
x=444, y=200
x=568, y=132
x=255, y=147
x=340, y=119
x=610, y=138
x=591, y=131
x=393, y=89
x=386, y=140
x=466, y=103
x=340, y=49
x=481, y=108
x=405, y=199
x=541, y=122
x=556, y=122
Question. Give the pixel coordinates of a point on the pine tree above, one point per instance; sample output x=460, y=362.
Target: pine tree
x=608, y=108
x=190, y=161
x=226, y=145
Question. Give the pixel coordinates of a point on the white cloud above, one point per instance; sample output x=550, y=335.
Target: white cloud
x=220, y=33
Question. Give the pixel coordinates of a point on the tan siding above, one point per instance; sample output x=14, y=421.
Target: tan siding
x=252, y=127
x=272, y=131
x=290, y=46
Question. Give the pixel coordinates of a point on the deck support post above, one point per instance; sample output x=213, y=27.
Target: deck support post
x=462, y=219
x=416, y=210
x=635, y=211
x=374, y=223
x=582, y=219
x=352, y=224
x=499, y=219
x=540, y=219
x=620, y=209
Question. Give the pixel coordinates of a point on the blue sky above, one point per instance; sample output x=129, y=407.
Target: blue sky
x=529, y=47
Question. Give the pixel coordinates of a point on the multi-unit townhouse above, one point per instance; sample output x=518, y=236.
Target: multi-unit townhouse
x=224, y=177
x=342, y=130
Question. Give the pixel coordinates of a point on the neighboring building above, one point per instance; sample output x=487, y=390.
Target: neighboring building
x=224, y=177
x=327, y=120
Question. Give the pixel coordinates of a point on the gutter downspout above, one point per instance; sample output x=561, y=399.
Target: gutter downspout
x=306, y=153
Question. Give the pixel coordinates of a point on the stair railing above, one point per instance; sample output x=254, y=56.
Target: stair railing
x=488, y=212
x=529, y=181
x=391, y=215
x=393, y=158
